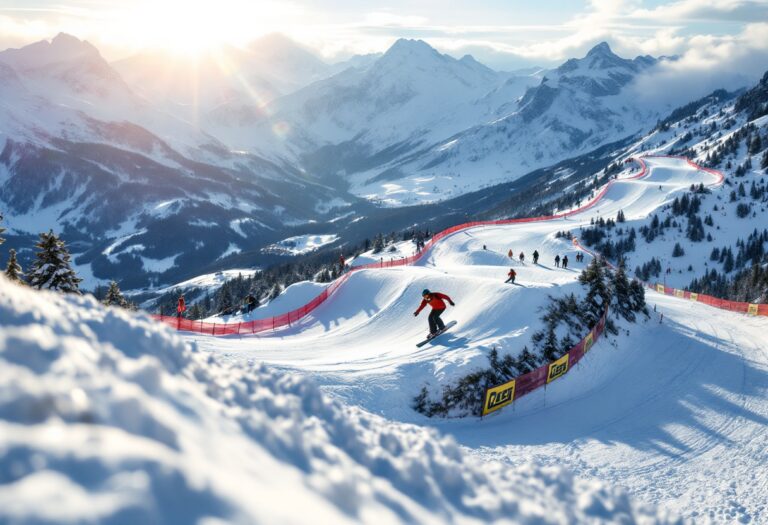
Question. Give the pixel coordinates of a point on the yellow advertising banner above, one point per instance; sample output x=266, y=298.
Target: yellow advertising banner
x=557, y=368
x=679, y=293
x=660, y=288
x=499, y=397
x=589, y=341
x=694, y=296
x=752, y=309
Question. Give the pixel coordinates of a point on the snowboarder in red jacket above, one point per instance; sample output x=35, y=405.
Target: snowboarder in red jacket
x=437, y=301
x=511, y=274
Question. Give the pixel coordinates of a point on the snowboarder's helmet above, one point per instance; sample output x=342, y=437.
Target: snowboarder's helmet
x=425, y=292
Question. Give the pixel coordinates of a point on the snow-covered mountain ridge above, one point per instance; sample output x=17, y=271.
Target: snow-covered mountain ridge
x=576, y=108
x=82, y=153
x=113, y=161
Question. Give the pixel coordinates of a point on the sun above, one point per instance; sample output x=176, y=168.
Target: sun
x=193, y=27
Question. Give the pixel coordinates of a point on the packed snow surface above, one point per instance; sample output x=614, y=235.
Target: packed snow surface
x=674, y=411
x=109, y=417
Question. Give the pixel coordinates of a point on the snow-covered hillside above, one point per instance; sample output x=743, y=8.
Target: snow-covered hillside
x=108, y=417
x=655, y=410
x=705, y=234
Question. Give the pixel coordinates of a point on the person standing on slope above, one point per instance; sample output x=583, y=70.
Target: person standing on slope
x=557, y=261
x=510, y=254
x=181, y=307
x=512, y=274
x=437, y=301
x=522, y=257
x=535, y=256
x=565, y=261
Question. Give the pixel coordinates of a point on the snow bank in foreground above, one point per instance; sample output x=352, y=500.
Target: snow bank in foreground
x=110, y=417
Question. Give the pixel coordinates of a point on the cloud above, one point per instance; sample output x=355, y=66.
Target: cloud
x=712, y=10
x=709, y=63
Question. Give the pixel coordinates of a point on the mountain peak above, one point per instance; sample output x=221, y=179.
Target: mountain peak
x=406, y=46
x=601, y=49
x=62, y=48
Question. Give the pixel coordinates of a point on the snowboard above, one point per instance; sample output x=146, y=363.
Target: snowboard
x=439, y=333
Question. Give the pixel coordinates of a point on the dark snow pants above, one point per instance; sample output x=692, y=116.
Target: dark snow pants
x=435, y=323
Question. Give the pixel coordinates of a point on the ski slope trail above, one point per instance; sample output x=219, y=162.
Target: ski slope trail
x=674, y=411
x=361, y=342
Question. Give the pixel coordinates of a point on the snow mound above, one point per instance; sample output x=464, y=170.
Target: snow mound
x=107, y=416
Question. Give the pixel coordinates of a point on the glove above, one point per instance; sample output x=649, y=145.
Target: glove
x=453, y=304
x=415, y=314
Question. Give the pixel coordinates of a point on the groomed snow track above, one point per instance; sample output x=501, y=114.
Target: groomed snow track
x=674, y=411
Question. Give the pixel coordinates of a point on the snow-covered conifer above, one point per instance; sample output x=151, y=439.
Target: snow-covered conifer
x=115, y=297
x=51, y=268
x=13, y=269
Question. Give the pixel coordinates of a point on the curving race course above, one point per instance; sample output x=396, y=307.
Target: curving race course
x=675, y=411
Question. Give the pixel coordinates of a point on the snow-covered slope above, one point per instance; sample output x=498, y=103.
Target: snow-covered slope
x=107, y=417
x=721, y=230
x=655, y=410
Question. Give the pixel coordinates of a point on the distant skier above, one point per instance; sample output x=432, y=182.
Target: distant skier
x=511, y=274
x=250, y=303
x=535, y=256
x=342, y=262
x=565, y=261
x=437, y=301
x=510, y=254
x=522, y=257
x=181, y=307
x=485, y=247
x=557, y=261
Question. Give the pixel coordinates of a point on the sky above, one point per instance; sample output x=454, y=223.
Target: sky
x=504, y=34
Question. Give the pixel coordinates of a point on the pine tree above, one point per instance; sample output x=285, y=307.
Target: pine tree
x=195, y=312
x=378, y=243
x=598, y=290
x=13, y=270
x=225, y=299
x=51, y=269
x=551, y=350
x=2, y=230
x=115, y=297
x=622, y=296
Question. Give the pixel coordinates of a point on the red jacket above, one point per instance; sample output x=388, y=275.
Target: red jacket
x=181, y=307
x=436, y=302
x=512, y=273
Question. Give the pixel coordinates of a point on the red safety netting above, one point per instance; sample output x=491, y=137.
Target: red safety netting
x=724, y=304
